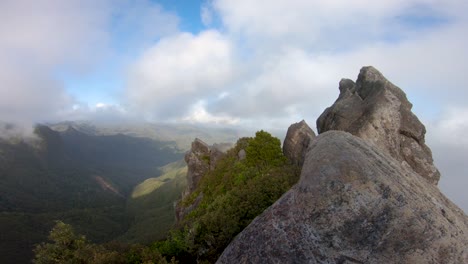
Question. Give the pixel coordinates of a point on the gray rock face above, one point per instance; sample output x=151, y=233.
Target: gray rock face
x=376, y=110
x=297, y=141
x=198, y=163
x=200, y=159
x=354, y=203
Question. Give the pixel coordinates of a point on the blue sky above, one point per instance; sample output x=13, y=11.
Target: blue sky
x=242, y=63
x=187, y=11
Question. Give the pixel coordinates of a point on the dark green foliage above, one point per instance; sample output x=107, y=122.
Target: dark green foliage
x=264, y=151
x=234, y=193
x=65, y=246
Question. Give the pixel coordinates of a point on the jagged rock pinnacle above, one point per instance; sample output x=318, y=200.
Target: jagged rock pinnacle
x=376, y=110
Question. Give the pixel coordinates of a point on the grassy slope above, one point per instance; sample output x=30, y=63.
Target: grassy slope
x=152, y=204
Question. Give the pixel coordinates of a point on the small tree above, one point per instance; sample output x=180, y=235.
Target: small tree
x=64, y=247
x=264, y=151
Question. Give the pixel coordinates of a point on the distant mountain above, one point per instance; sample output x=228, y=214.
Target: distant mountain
x=181, y=135
x=81, y=178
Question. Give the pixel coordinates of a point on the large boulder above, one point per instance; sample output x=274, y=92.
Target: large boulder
x=376, y=110
x=354, y=203
x=297, y=141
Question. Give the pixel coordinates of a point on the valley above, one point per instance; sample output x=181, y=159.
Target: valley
x=108, y=185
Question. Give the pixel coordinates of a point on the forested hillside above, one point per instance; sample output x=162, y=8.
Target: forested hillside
x=81, y=179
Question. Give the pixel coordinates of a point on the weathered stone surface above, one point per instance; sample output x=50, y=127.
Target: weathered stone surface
x=376, y=110
x=297, y=141
x=354, y=203
x=198, y=163
x=200, y=159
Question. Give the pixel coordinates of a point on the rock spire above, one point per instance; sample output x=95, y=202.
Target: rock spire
x=377, y=111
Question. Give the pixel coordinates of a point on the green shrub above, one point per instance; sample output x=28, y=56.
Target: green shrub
x=234, y=193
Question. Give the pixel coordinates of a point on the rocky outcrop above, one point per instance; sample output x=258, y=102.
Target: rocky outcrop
x=198, y=163
x=377, y=111
x=200, y=159
x=355, y=203
x=297, y=141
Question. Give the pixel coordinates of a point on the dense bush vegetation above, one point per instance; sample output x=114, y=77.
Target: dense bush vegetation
x=234, y=193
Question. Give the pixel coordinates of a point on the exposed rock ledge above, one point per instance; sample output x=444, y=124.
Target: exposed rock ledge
x=377, y=111
x=354, y=203
x=200, y=159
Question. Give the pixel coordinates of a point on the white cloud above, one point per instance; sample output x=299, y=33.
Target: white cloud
x=178, y=71
x=42, y=39
x=450, y=128
x=446, y=137
x=206, y=15
x=321, y=25
x=198, y=114
x=99, y=113
x=37, y=37
x=286, y=84
x=51, y=33
x=28, y=95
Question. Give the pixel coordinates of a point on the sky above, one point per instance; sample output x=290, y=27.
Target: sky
x=261, y=64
